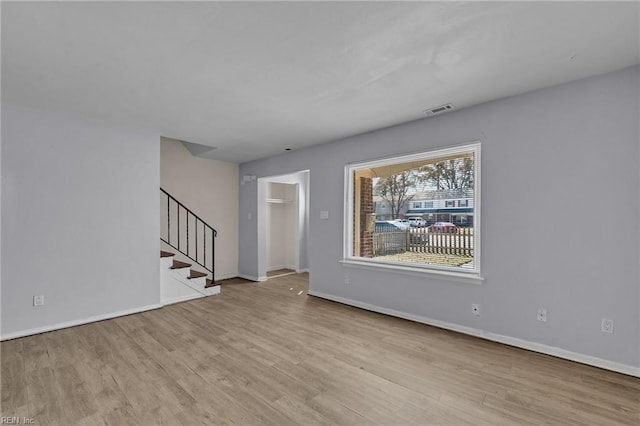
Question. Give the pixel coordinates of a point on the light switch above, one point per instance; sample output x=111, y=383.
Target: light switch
x=324, y=214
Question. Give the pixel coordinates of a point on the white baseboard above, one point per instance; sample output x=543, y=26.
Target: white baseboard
x=302, y=271
x=250, y=278
x=67, y=324
x=508, y=340
x=225, y=277
x=247, y=277
x=182, y=299
x=275, y=268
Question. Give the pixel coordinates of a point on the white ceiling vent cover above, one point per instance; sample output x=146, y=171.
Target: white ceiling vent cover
x=438, y=110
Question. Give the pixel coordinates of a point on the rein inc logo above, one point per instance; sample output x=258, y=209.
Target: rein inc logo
x=15, y=420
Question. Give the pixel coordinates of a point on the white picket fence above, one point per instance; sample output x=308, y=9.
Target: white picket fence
x=420, y=240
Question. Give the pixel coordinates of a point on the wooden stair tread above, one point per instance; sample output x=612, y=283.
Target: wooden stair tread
x=210, y=283
x=196, y=274
x=179, y=265
x=166, y=254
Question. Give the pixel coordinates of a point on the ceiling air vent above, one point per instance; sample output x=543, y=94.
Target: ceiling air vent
x=438, y=110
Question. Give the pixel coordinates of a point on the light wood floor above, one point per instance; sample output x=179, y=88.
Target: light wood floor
x=262, y=354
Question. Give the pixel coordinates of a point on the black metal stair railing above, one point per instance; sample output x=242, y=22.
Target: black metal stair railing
x=187, y=233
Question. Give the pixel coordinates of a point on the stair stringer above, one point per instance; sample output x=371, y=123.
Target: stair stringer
x=176, y=287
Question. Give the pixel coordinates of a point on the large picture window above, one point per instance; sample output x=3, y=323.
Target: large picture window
x=418, y=211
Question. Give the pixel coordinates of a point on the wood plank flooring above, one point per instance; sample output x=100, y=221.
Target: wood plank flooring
x=262, y=354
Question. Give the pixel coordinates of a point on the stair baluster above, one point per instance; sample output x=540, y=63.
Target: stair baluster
x=204, y=228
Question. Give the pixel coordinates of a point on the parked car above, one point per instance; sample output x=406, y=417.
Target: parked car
x=443, y=228
x=387, y=226
x=401, y=223
x=417, y=222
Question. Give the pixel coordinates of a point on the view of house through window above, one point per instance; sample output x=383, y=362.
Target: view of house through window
x=417, y=210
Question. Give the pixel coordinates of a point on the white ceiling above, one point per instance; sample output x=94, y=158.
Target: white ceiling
x=254, y=78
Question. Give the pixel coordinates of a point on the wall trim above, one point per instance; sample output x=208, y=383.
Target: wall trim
x=508, y=340
x=262, y=279
x=250, y=278
x=182, y=299
x=416, y=271
x=226, y=277
x=275, y=268
x=67, y=324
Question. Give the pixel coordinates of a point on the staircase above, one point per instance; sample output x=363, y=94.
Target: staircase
x=180, y=282
x=193, y=241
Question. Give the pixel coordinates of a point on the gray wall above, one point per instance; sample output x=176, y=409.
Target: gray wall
x=560, y=211
x=0, y=225
x=79, y=218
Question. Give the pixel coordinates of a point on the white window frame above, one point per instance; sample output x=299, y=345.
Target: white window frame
x=453, y=273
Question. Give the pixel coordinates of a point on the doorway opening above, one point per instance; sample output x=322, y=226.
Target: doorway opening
x=283, y=224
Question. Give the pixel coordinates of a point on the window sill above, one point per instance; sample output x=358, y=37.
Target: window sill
x=465, y=277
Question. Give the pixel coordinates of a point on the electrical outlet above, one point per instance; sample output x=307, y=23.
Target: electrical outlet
x=346, y=279
x=607, y=325
x=38, y=300
x=542, y=314
x=475, y=309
